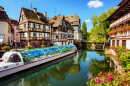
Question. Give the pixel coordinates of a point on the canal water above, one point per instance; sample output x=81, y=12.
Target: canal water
x=72, y=70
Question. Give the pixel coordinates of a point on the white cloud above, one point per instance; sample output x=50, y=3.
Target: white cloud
x=87, y=21
x=95, y=4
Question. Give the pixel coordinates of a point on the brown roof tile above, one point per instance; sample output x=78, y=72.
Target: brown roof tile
x=73, y=18
x=56, y=22
x=31, y=16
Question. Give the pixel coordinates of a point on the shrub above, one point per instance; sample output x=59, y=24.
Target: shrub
x=6, y=48
x=42, y=46
x=29, y=47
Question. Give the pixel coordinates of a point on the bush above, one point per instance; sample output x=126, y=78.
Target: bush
x=29, y=47
x=6, y=48
x=42, y=46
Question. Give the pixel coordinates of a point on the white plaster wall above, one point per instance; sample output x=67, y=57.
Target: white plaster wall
x=128, y=44
x=57, y=43
x=120, y=42
x=110, y=42
x=4, y=30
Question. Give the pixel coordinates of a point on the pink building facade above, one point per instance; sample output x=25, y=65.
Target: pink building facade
x=16, y=34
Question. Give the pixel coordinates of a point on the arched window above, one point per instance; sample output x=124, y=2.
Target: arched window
x=14, y=58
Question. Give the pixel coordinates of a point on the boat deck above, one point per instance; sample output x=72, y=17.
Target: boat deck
x=4, y=66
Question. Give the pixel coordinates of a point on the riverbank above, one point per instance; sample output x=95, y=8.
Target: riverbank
x=121, y=58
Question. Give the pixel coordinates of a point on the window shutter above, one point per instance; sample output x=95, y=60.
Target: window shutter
x=45, y=34
x=31, y=25
x=31, y=34
x=37, y=34
x=35, y=25
x=42, y=34
x=41, y=26
x=47, y=27
x=22, y=25
x=26, y=34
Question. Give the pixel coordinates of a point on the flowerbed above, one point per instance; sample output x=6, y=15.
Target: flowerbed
x=119, y=30
x=110, y=79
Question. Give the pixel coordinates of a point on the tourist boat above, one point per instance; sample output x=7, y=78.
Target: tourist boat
x=13, y=61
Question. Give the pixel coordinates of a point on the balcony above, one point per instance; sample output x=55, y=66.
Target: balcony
x=23, y=38
x=38, y=30
x=33, y=30
x=59, y=40
x=121, y=20
x=60, y=32
x=39, y=38
x=23, y=30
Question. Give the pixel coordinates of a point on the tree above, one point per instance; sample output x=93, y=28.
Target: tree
x=100, y=30
x=84, y=31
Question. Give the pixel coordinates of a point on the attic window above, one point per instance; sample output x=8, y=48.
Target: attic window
x=22, y=17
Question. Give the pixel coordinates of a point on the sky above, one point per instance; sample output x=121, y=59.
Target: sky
x=83, y=8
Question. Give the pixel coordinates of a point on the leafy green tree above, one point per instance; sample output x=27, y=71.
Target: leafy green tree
x=100, y=30
x=84, y=31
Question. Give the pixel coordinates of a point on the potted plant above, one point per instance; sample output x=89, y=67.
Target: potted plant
x=29, y=47
x=42, y=46
x=6, y=48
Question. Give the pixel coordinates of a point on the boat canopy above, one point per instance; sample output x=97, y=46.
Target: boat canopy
x=43, y=53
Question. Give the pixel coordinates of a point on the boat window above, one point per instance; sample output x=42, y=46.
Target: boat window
x=14, y=58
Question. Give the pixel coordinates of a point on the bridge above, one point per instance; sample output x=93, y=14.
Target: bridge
x=95, y=46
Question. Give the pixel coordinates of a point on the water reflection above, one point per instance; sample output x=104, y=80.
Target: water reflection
x=69, y=71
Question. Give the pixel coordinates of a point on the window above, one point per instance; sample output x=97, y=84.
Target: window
x=17, y=33
x=75, y=30
x=14, y=58
x=33, y=43
x=76, y=26
x=26, y=34
x=45, y=34
x=66, y=17
x=71, y=16
x=16, y=28
x=34, y=34
x=10, y=21
x=17, y=39
x=47, y=27
x=75, y=35
x=71, y=22
x=22, y=17
x=41, y=26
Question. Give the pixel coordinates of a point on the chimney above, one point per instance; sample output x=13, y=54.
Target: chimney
x=45, y=14
x=35, y=10
x=1, y=7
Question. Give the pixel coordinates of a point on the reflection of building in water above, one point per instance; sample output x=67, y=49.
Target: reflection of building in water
x=113, y=63
x=77, y=58
x=17, y=83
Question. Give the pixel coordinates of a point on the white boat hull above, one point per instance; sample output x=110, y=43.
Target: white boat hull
x=33, y=64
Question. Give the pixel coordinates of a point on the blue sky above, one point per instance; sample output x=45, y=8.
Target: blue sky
x=83, y=8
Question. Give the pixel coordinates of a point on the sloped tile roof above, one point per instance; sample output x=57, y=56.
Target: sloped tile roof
x=55, y=20
x=73, y=18
x=32, y=16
